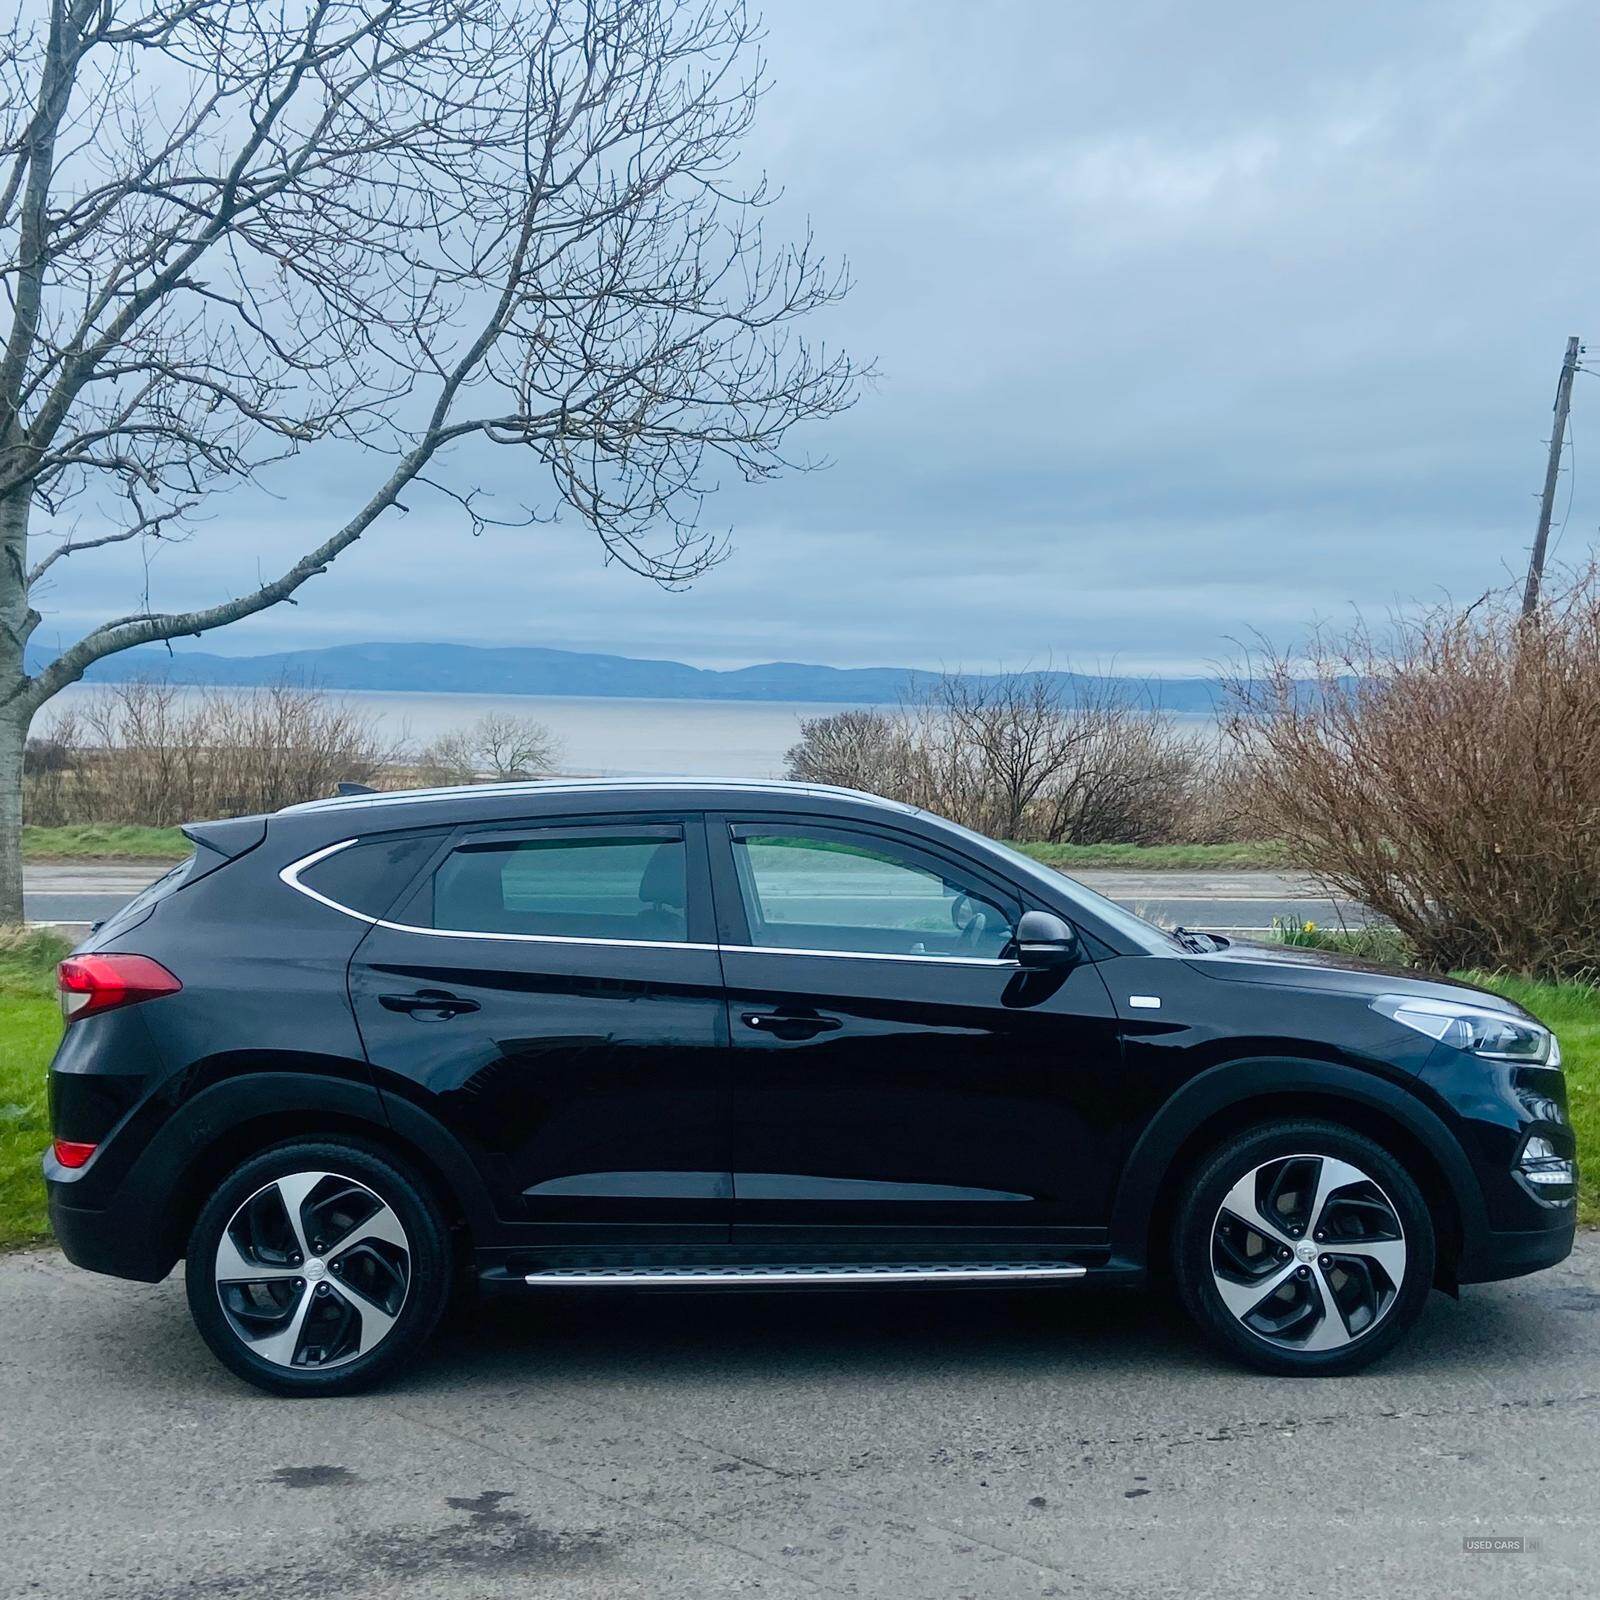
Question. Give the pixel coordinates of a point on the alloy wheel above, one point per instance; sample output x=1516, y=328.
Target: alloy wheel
x=1308, y=1252
x=312, y=1270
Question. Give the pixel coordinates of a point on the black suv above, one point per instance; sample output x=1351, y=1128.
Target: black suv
x=356, y=1053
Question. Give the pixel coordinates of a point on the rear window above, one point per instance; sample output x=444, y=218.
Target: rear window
x=137, y=908
x=609, y=886
x=368, y=876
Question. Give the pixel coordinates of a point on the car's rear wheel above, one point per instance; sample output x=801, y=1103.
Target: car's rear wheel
x=318, y=1268
x=1303, y=1248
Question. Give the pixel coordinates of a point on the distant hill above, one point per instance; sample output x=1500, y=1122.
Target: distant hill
x=470, y=669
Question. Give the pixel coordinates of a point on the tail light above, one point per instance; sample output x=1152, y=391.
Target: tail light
x=103, y=982
x=72, y=1154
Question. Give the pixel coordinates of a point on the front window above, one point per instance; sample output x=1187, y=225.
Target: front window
x=833, y=889
x=1141, y=933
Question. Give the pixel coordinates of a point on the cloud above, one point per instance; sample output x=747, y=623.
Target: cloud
x=1192, y=321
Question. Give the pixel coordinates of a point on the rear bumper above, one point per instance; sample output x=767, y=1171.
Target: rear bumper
x=1493, y=1256
x=122, y=1239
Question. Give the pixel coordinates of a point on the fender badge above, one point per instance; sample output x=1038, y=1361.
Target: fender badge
x=1145, y=1002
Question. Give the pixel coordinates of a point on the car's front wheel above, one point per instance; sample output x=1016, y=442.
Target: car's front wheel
x=318, y=1268
x=1303, y=1248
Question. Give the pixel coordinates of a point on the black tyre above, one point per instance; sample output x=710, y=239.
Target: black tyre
x=318, y=1268
x=1303, y=1248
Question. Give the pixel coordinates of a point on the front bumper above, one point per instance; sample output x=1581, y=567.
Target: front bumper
x=1493, y=1108
x=1492, y=1255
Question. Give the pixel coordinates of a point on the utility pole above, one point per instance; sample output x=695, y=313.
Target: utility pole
x=1558, y=437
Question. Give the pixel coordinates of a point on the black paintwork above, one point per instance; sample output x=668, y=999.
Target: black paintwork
x=714, y=1096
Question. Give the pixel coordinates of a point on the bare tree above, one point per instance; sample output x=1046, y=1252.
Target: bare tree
x=503, y=746
x=1015, y=756
x=232, y=229
x=862, y=748
x=150, y=752
x=1018, y=757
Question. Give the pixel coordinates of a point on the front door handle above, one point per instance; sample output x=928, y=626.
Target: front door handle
x=790, y=1024
x=428, y=1004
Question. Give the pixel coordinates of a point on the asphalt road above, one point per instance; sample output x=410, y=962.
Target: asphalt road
x=1242, y=901
x=76, y=893
x=81, y=893
x=909, y=1445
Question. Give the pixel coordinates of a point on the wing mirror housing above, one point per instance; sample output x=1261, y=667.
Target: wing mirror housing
x=1045, y=940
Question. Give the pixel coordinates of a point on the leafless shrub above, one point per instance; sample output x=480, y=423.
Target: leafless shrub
x=1013, y=756
x=859, y=749
x=1447, y=773
x=499, y=746
x=148, y=752
x=1221, y=804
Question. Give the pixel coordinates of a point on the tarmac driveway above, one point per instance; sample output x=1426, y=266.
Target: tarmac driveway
x=884, y=1445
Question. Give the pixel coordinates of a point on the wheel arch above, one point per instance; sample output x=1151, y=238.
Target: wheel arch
x=227, y=1123
x=1227, y=1099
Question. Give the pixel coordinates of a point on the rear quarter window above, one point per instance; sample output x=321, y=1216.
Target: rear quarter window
x=369, y=875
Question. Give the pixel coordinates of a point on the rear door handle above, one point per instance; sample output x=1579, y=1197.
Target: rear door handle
x=790, y=1024
x=428, y=1003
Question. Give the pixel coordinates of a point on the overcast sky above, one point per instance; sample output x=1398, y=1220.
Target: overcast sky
x=1192, y=321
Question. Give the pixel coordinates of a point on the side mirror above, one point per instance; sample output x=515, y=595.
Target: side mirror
x=1044, y=940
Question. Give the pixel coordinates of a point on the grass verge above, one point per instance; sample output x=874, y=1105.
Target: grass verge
x=103, y=842
x=1255, y=854
x=30, y=1024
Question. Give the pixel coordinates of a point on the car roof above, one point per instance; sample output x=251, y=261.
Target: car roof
x=549, y=794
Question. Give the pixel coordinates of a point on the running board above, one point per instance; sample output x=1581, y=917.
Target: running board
x=802, y=1272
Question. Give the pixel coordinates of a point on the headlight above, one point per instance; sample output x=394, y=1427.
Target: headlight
x=1467, y=1027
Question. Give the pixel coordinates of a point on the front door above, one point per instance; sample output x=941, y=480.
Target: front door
x=896, y=1076
x=556, y=990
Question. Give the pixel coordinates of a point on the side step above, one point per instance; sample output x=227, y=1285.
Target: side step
x=756, y=1273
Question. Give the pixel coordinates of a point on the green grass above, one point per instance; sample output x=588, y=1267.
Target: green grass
x=103, y=842
x=1253, y=854
x=1382, y=943
x=30, y=1024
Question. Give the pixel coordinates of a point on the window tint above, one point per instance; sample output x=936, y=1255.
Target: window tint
x=366, y=876
x=571, y=886
x=168, y=883
x=836, y=890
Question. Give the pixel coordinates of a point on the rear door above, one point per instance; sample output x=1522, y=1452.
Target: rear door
x=553, y=991
x=896, y=1075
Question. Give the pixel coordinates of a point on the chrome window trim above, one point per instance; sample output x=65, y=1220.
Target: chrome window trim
x=869, y=955
x=290, y=875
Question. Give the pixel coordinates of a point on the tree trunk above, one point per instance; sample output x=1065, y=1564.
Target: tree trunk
x=13, y=740
x=17, y=621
